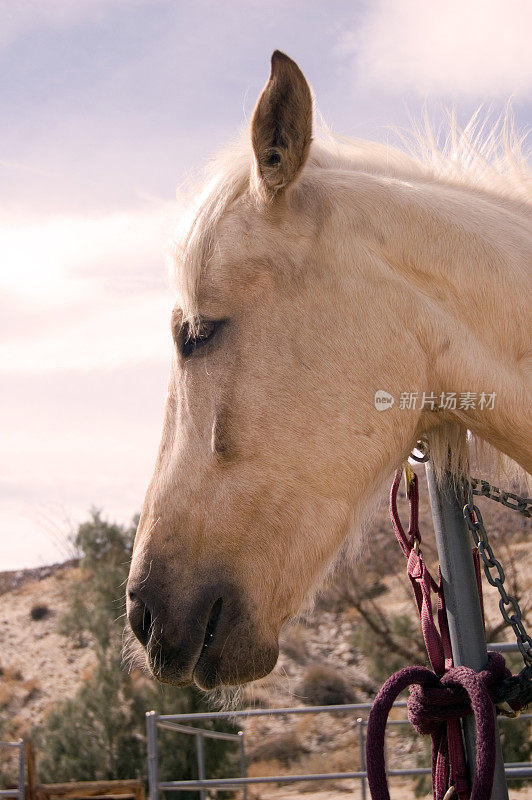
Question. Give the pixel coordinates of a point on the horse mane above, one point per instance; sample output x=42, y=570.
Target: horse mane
x=486, y=155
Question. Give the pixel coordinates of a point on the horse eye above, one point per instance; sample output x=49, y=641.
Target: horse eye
x=193, y=337
x=274, y=159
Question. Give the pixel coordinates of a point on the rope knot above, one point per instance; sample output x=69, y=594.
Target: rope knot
x=434, y=707
x=431, y=706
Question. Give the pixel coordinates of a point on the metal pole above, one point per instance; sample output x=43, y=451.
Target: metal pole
x=151, y=732
x=362, y=746
x=243, y=765
x=21, y=771
x=200, y=752
x=466, y=627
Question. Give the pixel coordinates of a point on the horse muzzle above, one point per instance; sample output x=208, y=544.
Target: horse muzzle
x=208, y=637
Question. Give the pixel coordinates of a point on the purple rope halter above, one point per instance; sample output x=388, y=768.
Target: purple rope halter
x=440, y=698
x=432, y=704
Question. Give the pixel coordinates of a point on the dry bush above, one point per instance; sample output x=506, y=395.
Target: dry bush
x=39, y=611
x=87, y=673
x=283, y=748
x=309, y=726
x=6, y=695
x=402, y=635
x=293, y=643
x=33, y=689
x=11, y=674
x=344, y=760
x=323, y=685
x=33, y=694
x=257, y=696
x=264, y=769
x=348, y=589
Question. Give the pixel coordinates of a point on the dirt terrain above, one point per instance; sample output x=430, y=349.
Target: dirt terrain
x=38, y=664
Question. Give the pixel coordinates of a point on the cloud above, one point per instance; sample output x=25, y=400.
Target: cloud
x=25, y=16
x=478, y=48
x=70, y=440
x=115, y=333
x=85, y=293
x=57, y=260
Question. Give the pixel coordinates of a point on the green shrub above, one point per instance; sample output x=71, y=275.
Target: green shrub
x=516, y=741
x=99, y=733
x=399, y=643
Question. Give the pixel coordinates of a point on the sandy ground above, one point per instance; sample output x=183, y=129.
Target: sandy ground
x=38, y=664
x=398, y=791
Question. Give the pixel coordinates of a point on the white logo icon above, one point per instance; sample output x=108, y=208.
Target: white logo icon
x=383, y=400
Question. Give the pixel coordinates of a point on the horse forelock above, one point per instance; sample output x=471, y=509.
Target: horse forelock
x=484, y=156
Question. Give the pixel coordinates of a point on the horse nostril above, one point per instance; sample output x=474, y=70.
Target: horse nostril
x=212, y=623
x=139, y=619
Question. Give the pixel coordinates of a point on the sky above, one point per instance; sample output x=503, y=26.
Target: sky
x=108, y=109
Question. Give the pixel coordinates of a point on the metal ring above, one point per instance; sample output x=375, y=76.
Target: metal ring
x=423, y=448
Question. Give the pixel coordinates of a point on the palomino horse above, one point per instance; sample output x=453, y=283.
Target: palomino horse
x=314, y=280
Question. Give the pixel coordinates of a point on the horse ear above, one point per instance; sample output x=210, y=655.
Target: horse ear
x=281, y=128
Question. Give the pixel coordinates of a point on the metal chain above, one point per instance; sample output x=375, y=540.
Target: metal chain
x=508, y=604
x=483, y=489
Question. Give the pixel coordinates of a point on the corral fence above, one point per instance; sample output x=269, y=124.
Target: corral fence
x=19, y=790
x=29, y=789
x=81, y=790
x=188, y=724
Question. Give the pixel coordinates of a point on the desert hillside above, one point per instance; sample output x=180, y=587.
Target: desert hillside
x=339, y=653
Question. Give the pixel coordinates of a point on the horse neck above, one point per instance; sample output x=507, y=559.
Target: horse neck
x=457, y=263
